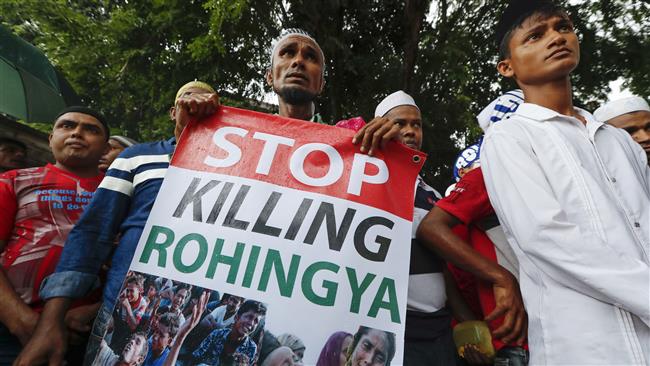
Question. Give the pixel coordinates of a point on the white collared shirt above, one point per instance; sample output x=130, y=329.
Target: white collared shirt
x=574, y=202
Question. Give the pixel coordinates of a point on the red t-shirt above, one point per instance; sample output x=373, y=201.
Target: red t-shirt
x=469, y=202
x=466, y=281
x=38, y=208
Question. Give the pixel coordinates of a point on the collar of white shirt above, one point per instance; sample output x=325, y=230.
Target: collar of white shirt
x=543, y=114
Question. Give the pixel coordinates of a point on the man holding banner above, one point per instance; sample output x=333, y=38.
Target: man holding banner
x=296, y=74
x=428, y=319
x=290, y=213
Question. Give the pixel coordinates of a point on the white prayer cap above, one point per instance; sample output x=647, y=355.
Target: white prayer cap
x=396, y=99
x=620, y=107
x=296, y=32
x=500, y=108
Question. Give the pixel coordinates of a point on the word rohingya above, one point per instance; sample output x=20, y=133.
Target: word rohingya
x=193, y=246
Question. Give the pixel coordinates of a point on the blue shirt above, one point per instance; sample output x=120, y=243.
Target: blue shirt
x=120, y=206
x=211, y=349
x=158, y=361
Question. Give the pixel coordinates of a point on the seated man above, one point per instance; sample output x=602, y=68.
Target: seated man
x=631, y=114
x=131, y=307
x=233, y=343
x=181, y=294
x=224, y=315
x=223, y=346
x=12, y=154
x=38, y=208
x=151, y=292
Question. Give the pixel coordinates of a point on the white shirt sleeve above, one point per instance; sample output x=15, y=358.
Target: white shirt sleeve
x=106, y=356
x=573, y=255
x=218, y=314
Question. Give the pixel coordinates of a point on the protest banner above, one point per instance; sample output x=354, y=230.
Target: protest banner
x=284, y=217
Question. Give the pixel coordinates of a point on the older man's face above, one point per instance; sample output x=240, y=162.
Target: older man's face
x=297, y=71
x=637, y=124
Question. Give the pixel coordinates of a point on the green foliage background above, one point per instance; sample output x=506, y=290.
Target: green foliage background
x=127, y=58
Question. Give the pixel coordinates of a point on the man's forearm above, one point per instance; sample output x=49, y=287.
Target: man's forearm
x=55, y=310
x=13, y=310
x=130, y=318
x=175, y=349
x=435, y=232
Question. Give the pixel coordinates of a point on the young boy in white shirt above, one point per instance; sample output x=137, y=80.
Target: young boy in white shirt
x=573, y=197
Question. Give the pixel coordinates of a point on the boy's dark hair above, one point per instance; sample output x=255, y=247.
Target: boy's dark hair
x=252, y=305
x=163, y=310
x=235, y=297
x=514, y=16
x=137, y=279
x=89, y=111
x=184, y=286
x=151, y=282
x=171, y=321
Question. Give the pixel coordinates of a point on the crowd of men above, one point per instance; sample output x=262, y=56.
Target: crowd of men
x=545, y=234
x=158, y=321
x=161, y=322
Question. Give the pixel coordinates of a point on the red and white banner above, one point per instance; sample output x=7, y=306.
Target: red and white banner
x=291, y=214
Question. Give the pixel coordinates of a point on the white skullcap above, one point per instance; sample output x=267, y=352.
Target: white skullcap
x=396, y=99
x=296, y=32
x=620, y=107
x=500, y=108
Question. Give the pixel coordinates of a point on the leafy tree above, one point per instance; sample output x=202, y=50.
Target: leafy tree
x=127, y=58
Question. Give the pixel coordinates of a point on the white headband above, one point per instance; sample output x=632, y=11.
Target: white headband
x=295, y=32
x=620, y=107
x=396, y=99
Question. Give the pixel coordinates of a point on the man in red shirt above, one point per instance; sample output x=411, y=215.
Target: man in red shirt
x=38, y=208
x=486, y=253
